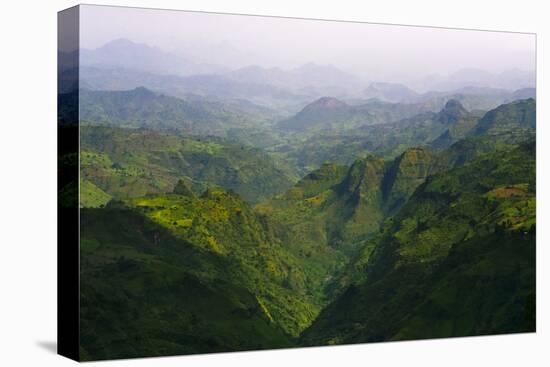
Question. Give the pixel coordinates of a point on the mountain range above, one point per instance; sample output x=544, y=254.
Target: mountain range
x=256, y=208
x=123, y=53
x=473, y=77
x=223, y=248
x=122, y=64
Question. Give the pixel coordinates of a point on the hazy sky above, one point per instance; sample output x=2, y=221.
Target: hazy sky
x=389, y=52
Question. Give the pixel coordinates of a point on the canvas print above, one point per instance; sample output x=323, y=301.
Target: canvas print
x=233, y=182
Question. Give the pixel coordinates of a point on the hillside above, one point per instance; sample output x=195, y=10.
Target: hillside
x=211, y=86
x=134, y=162
x=433, y=130
x=388, y=140
x=460, y=124
x=141, y=107
x=145, y=292
x=333, y=214
x=207, y=266
x=333, y=211
x=391, y=92
x=471, y=96
x=322, y=113
x=458, y=259
x=124, y=53
x=329, y=113
x=517, y=115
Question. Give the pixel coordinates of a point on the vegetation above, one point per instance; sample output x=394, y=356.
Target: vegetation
x=208, y=227
x=343, y=142
x=458, y=259
x=142, y=107
x=135, y=162
x=146, y=292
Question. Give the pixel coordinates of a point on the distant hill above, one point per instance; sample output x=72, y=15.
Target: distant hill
x=343, y=134
x=350, y=138
x=460, y=123
x=123, y=64
x=524, y=93
x=452, y=112
x=391, y=92
x=212, y=86
x=389, y=102
x=516, y=115
x=128, y=163
x=331, y=113
x=123, y=53
x=510, y=123
x=475, y=98
x=322, y=113
x=471, y=77
x=141, y=107
x=311, y=79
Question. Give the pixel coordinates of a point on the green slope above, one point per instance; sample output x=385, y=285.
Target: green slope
x=172, y=273
x=388, y=139
x=145, y=292
x=328, y=216
x=508, y=118
x=458, y=259
x=141, y=107
x=172, y=254
x=507, y=123
x=135, y=162
x=92, y=196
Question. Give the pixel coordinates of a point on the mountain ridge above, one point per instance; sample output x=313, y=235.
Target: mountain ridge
x=429, y=241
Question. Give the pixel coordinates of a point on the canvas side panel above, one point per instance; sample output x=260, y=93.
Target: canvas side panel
x=68, y=184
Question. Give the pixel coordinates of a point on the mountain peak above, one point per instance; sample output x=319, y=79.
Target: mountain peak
x=328, y=103
x=453, y=104
x=452, y=112
x=323, y=112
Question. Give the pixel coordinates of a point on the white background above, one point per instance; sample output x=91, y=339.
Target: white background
x=28, y=184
